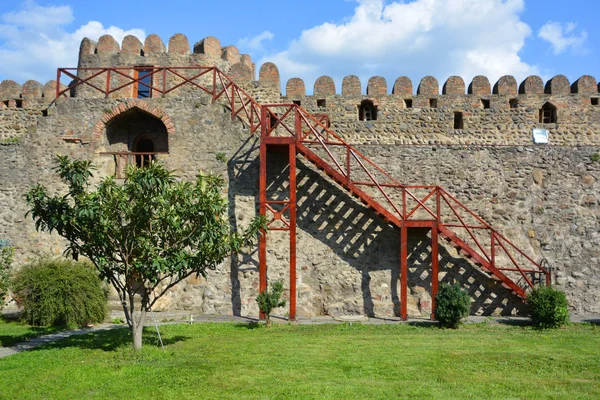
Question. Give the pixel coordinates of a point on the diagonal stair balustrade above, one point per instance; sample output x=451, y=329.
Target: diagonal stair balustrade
x=291, y=127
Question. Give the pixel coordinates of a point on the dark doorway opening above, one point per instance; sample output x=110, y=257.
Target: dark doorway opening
x=145, y=146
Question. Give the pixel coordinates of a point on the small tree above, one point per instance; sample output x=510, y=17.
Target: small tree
x=143, y=236
x=451, y=305
x=269, y=300
x=6, y=255
x=549, y=307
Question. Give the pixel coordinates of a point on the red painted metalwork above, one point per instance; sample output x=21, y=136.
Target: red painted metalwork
x=400, y=205
x=434, y=268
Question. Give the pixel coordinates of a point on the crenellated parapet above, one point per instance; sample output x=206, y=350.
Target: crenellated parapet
x=29, y=94
x=454, y=86
x=131, y=55
x=107, y=52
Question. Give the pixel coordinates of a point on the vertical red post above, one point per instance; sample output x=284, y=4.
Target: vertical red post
x=108, y=82
x=262, y=243
x=57, y=83
x=164, y=82
x=293, y=294
x=434, y=267
x=404, y=272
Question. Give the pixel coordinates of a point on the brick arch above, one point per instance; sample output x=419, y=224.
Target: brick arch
x=128, y=105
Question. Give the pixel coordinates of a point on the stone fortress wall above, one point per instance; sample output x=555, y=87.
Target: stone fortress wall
x=544, y=198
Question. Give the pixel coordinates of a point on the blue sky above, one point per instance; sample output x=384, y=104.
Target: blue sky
x=311, y=38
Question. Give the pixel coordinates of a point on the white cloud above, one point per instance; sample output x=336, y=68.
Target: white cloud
x=34, y=41
x=417, y=38
x=563, y=37
x=255, y=43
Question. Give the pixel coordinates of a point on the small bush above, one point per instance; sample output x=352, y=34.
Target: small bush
x=549, y=307
x=596, y=157
x=60, y=291
x=6, y=255
x=269, y=300
x=451, y=305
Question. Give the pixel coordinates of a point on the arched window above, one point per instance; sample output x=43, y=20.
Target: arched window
x=367, y=111
x=548, y=114
x=144, y=145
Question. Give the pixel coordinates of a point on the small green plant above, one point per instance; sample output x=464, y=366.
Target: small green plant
x=549, y=307
x=596, y=157
x=59, y=292
x=12, y=140
x=117, y=321
x=271, y=299
x=451, y=305
x=107, y=110
x=6, y=258
x=221, y=157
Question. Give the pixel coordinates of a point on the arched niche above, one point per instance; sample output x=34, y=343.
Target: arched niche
x=134, y=129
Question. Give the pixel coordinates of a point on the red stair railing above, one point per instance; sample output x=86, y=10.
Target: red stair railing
x=290, y=125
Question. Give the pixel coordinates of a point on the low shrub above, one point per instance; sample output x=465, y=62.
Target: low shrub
x=59, y=291
x=549, y=307
x=269, y=300
x=451, y=305
x=6, y=255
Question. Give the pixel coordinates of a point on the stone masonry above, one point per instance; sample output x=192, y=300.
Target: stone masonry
x=545, y=198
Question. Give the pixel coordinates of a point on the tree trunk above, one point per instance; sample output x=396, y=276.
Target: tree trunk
x=137, y=327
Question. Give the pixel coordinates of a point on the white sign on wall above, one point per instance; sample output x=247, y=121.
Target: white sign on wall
x=540, y=136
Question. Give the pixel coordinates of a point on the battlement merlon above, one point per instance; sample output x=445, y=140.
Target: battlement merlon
x=107, y=52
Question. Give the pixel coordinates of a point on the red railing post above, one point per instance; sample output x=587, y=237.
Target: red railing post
x=107, y=83
x=164, y=81
x=57, y=83
x=262, y=244
x=292, y=221
x=493, y=250
x=434, y=267
x=214, y=93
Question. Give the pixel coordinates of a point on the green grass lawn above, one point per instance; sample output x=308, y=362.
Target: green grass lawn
x=316, y=361
x=12, y=332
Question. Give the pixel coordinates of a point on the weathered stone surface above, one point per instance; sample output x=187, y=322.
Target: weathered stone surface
x=585, y=85
x=532, y=85
x=377, y=86
x=506, y=85
x=269, y=75
x=455, y=85
x=403, y=86
x=132, y=45
x=480, y=86
x=428, y=86
x=231, y=54
x=9, y=90
x=324, y=86
x=543, y=198
x=351, y=86
x=107, y=45
x=558, y=85
x=154, y=45
x=210, y=46
x=179, y=44
x=295, y=89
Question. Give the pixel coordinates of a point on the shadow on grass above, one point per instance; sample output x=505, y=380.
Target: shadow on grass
x=248, y=326
x=110, y=340
x=32, y=332
x=593, y=321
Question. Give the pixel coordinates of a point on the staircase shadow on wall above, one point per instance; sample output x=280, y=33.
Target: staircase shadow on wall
x=359, y=238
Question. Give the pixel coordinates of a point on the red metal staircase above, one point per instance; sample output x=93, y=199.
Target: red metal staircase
x=289, y=128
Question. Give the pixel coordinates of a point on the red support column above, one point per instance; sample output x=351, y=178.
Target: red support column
x=434, y=268
x=262, y=244
x=293, y=294
x=404, y=272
